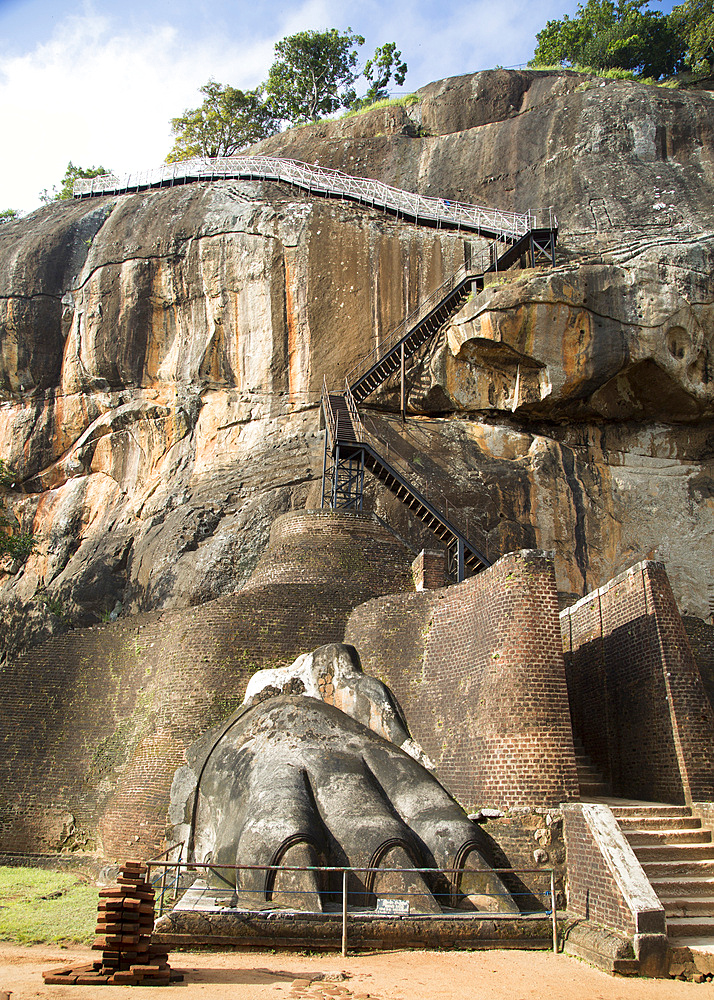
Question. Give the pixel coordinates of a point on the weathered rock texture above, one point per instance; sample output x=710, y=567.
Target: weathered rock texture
x=161, y=354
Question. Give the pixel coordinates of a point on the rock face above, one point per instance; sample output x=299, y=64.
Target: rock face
x=161, y=354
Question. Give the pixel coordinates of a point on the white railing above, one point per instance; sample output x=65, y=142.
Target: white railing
x=490, y=222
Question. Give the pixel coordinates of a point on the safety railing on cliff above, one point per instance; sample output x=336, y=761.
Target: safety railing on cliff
x=426, y=319
x=491, y=223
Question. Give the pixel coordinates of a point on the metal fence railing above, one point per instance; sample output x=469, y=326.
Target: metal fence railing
x=355, y=892
x=490, y=222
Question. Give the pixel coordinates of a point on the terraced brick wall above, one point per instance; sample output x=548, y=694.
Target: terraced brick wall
x=478, y=669
x=636, y=695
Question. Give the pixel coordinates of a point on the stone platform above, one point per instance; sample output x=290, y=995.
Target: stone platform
x=205, y=917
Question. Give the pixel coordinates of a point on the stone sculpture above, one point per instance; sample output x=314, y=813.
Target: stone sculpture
x=317, y=769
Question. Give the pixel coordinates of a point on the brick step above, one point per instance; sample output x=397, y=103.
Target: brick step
x=686, y=887
x=653, y=838
x=675, y=852
x=590, y=775
x=658, y=823
x=678, y=927
x=687, y=906
x=595, y=788
x=686, y=870
x=653, y=810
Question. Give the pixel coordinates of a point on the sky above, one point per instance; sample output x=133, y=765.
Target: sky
x=97, y=81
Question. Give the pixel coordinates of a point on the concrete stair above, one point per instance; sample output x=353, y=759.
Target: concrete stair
x=677, y=856
x=590, y=779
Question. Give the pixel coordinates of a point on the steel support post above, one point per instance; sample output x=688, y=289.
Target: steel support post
x=403, y=393
x=460, y=567
x=324, y=467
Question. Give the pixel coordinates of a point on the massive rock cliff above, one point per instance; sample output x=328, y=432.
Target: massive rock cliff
x=162, y=353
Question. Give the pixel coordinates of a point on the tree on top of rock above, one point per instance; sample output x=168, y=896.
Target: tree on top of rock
x=228, y=120
x=695, y=19
x=65, y=191
x=608, y=35
x=378, y=71
x=313, y=74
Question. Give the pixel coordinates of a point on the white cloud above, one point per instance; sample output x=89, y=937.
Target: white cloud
x=93, y=96
x=103, y=87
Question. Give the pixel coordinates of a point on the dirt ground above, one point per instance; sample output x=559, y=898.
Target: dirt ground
x=398, y=975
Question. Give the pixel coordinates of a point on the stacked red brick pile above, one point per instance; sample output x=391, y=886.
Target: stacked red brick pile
x=124, y=925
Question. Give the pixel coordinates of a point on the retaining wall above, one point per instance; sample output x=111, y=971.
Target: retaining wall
x=478, y=669
x=636, y=695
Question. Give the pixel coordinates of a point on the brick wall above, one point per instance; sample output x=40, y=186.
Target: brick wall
x=429, y=570
x=93, y=723
x=636, y=697
x=478, y=669
x=349, y=549
x=593, y=892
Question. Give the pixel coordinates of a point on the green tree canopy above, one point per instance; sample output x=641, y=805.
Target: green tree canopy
x=695, y=20
x=613, y=35
x=313, y=74
x=71, y=174
x=9, y=214
x=378, y=71
x=228, y=120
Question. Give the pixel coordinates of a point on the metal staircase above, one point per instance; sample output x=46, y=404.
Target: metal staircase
x=402, y=343
x=348, y=453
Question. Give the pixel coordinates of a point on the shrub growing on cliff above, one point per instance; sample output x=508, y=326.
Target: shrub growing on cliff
x=378, y=71
x=313, y=74
x=608, y=35
x=695, y=23
x=13, y=542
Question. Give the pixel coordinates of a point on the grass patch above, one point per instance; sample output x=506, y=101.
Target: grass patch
x=44, y=907
x=406, y=101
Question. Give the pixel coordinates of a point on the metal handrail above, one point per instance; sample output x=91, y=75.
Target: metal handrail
x=547, y=894
x=357, y=424
x=432, y=493
x=320, y=180
x=485, y=260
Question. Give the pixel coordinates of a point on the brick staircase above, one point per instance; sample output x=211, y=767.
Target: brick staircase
x=677, y=856
x=590, y=779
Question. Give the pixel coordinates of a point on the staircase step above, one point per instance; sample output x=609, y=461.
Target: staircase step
x=678, y=927
x=654, y=838
x=599, y=789
x=653, y=810
x=687, y=906
x=686, y=887
x=683, y=870
x=658, y=823
x=684, y=853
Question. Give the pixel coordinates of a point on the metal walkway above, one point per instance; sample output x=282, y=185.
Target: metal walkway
x=348, y=453
x=490, y=223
